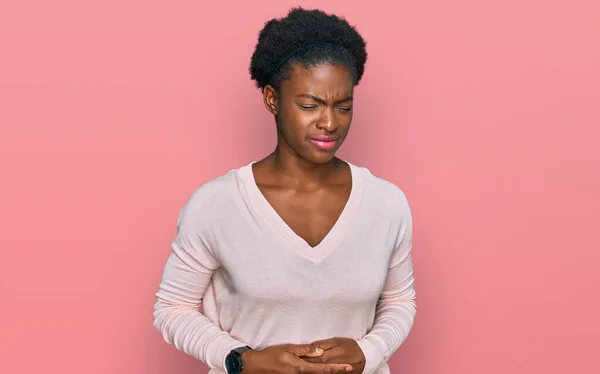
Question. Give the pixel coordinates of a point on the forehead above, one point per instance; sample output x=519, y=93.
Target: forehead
x=323, y=80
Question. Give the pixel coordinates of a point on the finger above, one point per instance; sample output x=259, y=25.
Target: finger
x=305, y=350
x=325, y=344
x=311, y=368
x=334, y=355
x=315, y=360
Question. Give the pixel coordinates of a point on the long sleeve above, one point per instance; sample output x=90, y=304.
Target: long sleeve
x=396, y=308
x=186, y=275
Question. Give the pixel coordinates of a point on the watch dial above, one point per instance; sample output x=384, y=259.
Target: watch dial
x=233, y=364
x=236, y=366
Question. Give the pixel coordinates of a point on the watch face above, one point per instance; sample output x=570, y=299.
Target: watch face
x=233, y=363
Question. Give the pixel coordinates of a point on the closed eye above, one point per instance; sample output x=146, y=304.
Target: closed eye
x=307, y=107
x=345, y=109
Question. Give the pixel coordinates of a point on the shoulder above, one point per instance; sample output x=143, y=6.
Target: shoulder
x=211, y=196
x=384, y=195
x=387, y=200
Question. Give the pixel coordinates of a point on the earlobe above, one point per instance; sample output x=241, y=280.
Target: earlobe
x=270, y=99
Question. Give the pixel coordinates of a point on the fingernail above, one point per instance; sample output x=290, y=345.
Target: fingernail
x=319, y=350
x=349, y=368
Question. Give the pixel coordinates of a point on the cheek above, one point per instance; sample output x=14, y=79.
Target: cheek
x=297, y=121
x=344, y=121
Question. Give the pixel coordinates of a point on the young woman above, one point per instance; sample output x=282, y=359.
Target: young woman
x=302, y=261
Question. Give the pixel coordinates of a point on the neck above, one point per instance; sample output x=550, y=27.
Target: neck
x=289, y=165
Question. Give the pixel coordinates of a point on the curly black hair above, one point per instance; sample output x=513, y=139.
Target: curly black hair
x=308, y=38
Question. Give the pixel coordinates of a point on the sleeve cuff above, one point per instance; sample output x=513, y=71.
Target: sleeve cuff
x=219, y=348
x=373, y=354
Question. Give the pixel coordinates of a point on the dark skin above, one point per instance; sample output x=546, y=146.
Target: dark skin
x=308, y=187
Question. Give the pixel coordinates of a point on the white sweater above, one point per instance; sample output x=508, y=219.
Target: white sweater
x=261, y=284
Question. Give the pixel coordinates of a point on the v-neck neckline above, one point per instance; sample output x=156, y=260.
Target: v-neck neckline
x=333, y=238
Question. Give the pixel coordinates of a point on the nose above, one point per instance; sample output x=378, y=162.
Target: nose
x=327, y=121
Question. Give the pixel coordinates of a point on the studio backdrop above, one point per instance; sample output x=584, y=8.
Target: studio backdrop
x=486, y=114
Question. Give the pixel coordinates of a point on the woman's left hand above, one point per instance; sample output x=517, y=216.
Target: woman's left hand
x=340, y=351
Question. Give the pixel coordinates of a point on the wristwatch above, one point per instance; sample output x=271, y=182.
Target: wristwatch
x=233, y=362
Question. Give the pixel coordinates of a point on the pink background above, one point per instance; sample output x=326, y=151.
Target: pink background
x=485, y=112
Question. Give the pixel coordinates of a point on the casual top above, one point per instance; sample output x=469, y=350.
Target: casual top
x=261, y=284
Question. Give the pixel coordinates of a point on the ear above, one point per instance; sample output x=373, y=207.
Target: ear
x=270, y=98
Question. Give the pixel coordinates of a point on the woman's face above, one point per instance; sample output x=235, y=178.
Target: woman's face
x=313, y=110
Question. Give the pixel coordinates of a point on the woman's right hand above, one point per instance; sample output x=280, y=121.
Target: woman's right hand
x=287, y=359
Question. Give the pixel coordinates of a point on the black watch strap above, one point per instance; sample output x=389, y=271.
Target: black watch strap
x=241, y=350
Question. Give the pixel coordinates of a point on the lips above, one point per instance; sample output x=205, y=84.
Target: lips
x=324, y=138
x=324, y=142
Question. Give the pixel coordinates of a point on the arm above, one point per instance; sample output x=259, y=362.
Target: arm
x=186, y=275
x=396, y=308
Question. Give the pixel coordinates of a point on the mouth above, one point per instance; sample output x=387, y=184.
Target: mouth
x=324, y=142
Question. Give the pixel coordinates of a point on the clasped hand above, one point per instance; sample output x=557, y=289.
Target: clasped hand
x=336, y=355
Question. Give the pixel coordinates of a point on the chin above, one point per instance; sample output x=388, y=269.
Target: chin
x=315, y=155
x=320, y=157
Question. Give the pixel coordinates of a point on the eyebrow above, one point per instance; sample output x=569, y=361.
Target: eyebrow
x=319, y=100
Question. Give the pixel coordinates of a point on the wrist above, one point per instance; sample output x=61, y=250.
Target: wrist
x=246, y=358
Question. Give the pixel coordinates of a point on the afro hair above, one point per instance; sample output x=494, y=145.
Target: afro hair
x=308, y=38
